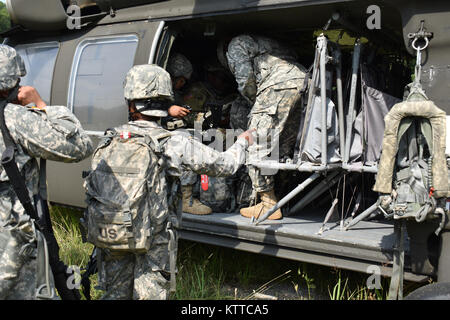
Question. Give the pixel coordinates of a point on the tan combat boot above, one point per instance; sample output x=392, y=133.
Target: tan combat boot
x=197, y=207
x=268, y=200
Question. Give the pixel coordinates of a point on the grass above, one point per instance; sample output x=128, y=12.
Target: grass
x=72, y=250
x=211, y=272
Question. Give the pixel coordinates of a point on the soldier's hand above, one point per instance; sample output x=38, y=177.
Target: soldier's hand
x=177, y=111
x=248, y=135
x=29, y=95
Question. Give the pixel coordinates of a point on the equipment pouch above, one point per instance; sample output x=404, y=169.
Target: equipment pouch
x=117, y=230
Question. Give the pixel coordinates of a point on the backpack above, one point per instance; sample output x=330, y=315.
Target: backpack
x=413, y=194
x=219, y=196
x=126, y=190
x=412, y=183
x=412, y=173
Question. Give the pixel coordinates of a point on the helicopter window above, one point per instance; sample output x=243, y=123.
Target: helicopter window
x=96, y=82
x=39, y=59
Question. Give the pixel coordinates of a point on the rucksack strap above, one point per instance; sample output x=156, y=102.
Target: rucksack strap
x=44, y=290
x=153, y=138
x=172, y=247
x=91, y=268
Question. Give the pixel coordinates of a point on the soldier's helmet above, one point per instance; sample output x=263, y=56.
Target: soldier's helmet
x=12, y=67
x=179, y=66
x=149, y=82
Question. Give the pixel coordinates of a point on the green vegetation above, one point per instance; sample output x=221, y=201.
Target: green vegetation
x=72, y=249
x=4, y=18
x=210, y=272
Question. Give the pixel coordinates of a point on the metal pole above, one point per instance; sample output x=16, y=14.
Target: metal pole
x=351, y=105
x=340, y=100
x=303, y=167
x=288, y=197
x=360, y=168
x=328, y=216
x=322, y=42
x=362, y=215
x=316, y=191
x=311, y=94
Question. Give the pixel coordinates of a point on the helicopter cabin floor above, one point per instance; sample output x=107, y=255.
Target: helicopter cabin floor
x=365, y=246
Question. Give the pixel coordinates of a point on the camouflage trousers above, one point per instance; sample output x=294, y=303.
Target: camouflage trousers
x=239, y=112
x=18, y=264
x=136, y=276
x=218, y=196
x=188, y=178
x=276, y=132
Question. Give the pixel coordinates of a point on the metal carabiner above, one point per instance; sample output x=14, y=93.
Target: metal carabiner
x=420, y=34
x=418, y=67
x=413, y=44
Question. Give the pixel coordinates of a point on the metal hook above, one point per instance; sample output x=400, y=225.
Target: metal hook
x=421, y=34
x=417, y=48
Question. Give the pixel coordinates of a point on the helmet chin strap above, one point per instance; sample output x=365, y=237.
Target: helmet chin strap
x=131, y=115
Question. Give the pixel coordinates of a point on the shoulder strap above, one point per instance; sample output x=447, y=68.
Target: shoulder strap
x=405, y=123
x=154, y=137
x=427, y=131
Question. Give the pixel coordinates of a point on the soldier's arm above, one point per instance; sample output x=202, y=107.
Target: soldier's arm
x=241, y=52
x=178, y=111
x=52, y=132
x=191, y=154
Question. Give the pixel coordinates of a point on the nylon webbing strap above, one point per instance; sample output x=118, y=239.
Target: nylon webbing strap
x=172, y=259
x=44, y=289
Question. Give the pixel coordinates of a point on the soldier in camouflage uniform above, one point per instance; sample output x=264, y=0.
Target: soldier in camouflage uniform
x=39, y=131
x=215, y=91
x=269, y=79
x=145, y=276
x=180, y=70
x=210, y=101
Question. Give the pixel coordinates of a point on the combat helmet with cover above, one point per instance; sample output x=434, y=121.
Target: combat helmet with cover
x=12, y=67
x=150, y=87
x=179, y=66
